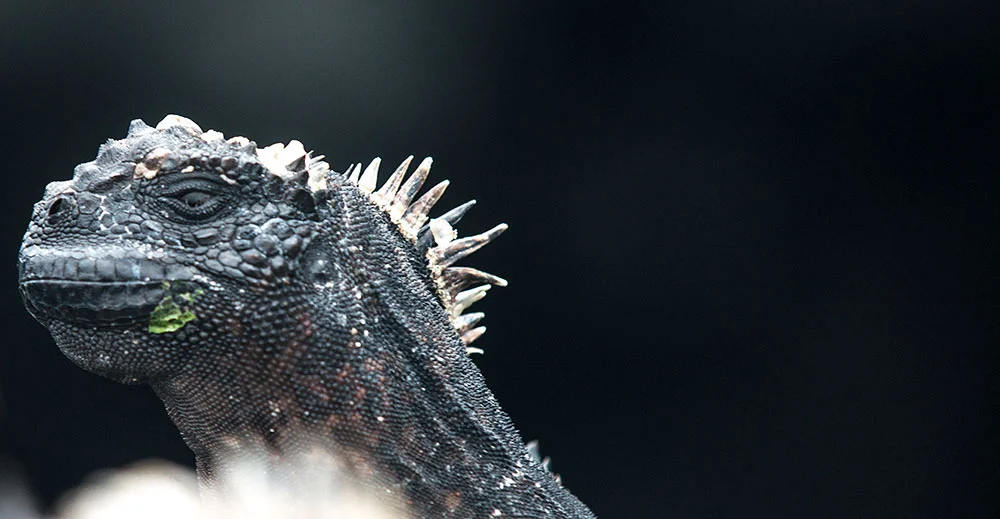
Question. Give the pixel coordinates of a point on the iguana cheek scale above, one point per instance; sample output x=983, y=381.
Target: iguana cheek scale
x=273, y=303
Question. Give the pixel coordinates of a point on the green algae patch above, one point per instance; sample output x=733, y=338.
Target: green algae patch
x=174, y=310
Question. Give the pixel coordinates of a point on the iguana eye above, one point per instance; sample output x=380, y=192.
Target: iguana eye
x=194, y=198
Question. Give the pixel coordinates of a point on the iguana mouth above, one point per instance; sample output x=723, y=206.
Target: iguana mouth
x=91, y=301
x=88, y=290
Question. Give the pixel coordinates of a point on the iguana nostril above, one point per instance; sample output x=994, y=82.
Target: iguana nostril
x=54, y=208
x=60, y=207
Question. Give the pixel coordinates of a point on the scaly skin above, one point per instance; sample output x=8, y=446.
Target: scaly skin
x=285, y=310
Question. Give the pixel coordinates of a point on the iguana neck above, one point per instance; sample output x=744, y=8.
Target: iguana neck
x=396, y=402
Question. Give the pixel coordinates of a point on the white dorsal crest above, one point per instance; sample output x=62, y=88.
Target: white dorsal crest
x=435, y=235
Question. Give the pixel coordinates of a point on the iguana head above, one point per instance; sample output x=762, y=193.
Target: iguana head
x=276, y=306
x=174, y=239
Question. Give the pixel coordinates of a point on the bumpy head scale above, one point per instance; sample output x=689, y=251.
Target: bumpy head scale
x=436, y=238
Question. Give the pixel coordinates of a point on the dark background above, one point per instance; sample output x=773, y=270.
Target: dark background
x=752, y=249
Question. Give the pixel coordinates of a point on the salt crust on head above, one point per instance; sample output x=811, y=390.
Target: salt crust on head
x=276, y=158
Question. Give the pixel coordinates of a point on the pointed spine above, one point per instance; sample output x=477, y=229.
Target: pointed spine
x=369, y=179
x=457, y=213
x=355, y=171
x=396, y=198
x=465, y=299
x=387, y=193
x=465, y=322
x=416, y=215
x=457, y=278
x=473, y=334
x=445, y=255
x=425, y=236
x=401, y=202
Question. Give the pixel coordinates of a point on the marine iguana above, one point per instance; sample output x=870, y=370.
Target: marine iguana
x=272, y=302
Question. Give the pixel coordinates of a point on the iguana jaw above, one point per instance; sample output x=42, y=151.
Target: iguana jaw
x=97, y=286
x=91, y=302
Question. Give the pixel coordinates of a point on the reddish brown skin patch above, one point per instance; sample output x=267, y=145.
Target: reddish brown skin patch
x=452, y=501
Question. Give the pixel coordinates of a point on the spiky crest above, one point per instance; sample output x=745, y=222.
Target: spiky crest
x=395, y=198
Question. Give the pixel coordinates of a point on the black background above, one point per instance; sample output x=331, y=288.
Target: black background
x=752, y=249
